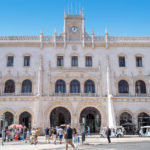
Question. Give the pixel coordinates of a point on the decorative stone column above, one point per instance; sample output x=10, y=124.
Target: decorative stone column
x=2, y=87
x=67, y=87
x=18, y=88
x=132, y=90
x=82, y=87
x=74, y=120
x=16, y=119
x=134, y=120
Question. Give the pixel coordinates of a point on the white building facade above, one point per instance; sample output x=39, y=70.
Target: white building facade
x=60, y=79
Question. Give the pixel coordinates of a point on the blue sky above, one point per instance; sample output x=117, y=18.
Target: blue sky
x=121, y=17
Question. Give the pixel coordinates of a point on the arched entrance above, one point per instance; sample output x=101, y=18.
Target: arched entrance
x=92, y=119
x=25, y=119
x=59, y=115
x=143, y=119
x=9, y=118
x=126, y=122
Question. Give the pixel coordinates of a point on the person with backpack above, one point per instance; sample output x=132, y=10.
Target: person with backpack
x=108, y=133
x=68, y=137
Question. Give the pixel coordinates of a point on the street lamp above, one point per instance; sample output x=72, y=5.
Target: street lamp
x=83, y=129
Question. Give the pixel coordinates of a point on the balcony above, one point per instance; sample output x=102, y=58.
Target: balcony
x=14, y=94
x=51, y=95
x=75, y=95
x=88, y=69
x=132, y=95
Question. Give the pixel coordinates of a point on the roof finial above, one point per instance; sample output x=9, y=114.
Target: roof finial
x=41, y=31
x=65, y=14
x=82, y=12
x=106, y=32
x=92, y=31
x=55, y=32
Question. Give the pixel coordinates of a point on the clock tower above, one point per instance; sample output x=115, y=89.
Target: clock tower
x=74, y=26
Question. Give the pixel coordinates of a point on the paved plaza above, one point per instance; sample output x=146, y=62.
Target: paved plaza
x=91, y=143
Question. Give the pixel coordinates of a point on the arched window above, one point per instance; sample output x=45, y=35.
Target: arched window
x=123, y=86
x=26, y=86
x=143, y=119
x=75, y=86
x=140, y=87
x=60, y=86
x=89, y=86
x=9, y=86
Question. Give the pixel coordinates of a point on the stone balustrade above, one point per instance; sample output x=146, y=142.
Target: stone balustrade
x=61, y=68
x=87, y=38
x=132, y=95
x=75, y=95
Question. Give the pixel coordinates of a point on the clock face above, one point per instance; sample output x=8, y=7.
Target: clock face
x=74, y=29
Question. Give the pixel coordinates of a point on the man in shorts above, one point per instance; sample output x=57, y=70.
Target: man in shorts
x=60, y=134
x=47, y=137
x=69, y=133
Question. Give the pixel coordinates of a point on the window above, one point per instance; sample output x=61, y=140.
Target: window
x=140, y=87
x=26, y=60
x=26, y=86
x=143, y=119
x=74, y=61
x=60, y=86
x=122, y=61
x=139, y=61
x=89, y=86
x=88, y=61
x=10, y=61
x=9, y=86
x=123, y=86
x=75, y=86
x=60, y=61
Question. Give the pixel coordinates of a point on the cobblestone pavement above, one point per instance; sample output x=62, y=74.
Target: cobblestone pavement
x=91, y=143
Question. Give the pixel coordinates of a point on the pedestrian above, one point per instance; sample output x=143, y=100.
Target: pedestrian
x=37, y=134
x=75, y=138
x=108, y=133
x=33, y=138
x=56, y=134
x=47, y=137
x=60, y=134
x=51, y=133
x=68, y=136
x=28, y=136
x=88, y=130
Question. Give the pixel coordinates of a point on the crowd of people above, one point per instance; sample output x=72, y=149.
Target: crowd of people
x=52, y=135
x=20, y=134
x=57, y=134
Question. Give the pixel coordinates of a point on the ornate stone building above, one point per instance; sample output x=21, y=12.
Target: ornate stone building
x=53, y=80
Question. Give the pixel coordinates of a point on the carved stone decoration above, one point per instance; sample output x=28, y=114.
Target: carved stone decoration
x=67, y=76
x=74, y=47
x=9, y=72
x=81, y=76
